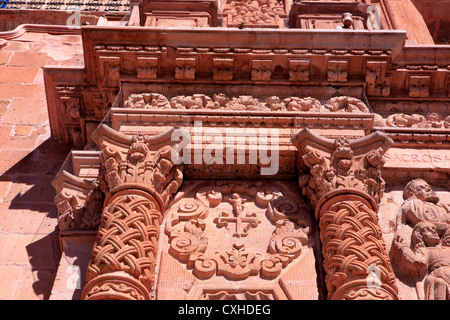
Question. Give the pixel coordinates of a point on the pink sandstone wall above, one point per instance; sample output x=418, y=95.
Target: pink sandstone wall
x=29, y=160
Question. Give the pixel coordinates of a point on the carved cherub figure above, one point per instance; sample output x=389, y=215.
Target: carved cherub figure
x=431, y=258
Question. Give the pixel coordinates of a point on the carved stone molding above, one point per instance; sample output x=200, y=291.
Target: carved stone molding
x=344, y=185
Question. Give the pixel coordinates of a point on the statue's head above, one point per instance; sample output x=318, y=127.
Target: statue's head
x=446, y=237
x=420, y=189
x=425, y=234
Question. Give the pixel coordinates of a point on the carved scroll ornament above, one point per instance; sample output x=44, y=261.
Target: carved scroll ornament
x=239, y=261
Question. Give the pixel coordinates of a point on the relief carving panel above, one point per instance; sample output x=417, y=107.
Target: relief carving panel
x=420, y=247
x=229, y=232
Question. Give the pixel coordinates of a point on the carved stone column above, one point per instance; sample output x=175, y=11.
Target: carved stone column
x=344, y=186
x=138, y=184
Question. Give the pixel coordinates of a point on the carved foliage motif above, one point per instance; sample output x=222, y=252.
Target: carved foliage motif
x=76, y=214
x=342, y=170
x=253, y=13
x=430, y=120
x=139, y=165
x=237, y=260
x=221, y=101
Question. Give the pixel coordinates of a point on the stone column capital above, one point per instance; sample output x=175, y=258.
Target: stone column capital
x=138, y=162
x=341, y=164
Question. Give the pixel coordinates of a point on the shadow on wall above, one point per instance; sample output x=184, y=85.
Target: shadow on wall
x=31, y=192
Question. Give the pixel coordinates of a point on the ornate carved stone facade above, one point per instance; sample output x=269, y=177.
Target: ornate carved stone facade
x=257, y=150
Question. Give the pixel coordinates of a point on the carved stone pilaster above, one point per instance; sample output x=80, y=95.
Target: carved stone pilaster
x=344, y=185
x=138, y=184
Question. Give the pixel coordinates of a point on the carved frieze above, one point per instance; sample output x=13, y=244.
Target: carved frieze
x=221, y=101
x=430, y=120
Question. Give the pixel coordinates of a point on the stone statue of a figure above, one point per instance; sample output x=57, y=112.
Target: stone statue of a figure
x=430, y=256
x=422, y=204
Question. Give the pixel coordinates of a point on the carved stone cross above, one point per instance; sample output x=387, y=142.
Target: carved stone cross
x=243, y=221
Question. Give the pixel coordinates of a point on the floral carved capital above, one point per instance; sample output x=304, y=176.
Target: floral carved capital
x=341, y=164
x=79, y=203
x=139, y=161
